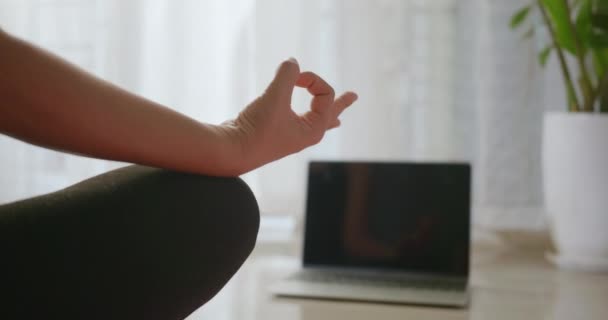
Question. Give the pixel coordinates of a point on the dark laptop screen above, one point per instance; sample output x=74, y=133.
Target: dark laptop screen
x=407, y=217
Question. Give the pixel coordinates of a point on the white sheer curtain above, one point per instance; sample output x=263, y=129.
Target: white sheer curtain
x=438, y=80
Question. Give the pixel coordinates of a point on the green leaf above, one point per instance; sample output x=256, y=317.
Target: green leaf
x=583, y=22
x=604, y=102
x=599, y=21
x=598, y=40
x=559, y=16
x=600, y=62
x=519, y=16
x=591, y=27
x=544, y=55
x=600, y=6
x=603, y=97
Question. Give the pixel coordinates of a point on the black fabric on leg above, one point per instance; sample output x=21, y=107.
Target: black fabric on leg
x=134, y=243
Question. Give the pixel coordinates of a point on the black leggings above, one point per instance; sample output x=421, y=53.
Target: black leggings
x=134, y=243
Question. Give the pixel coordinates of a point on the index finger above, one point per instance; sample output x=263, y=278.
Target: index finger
x=323, y=93
x=285, y=78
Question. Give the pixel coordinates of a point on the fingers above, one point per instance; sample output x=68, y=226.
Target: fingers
x=344, y=101
x=324, y=110
x=323, y=93
x=285, y=79
x=323, y=104
x=341, y=103
x=334, y=124
x=314, y=83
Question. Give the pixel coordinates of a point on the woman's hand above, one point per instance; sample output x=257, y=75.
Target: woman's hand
x=50, y=103
x=268, y=128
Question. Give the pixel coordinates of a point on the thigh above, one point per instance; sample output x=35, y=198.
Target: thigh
x=135, y=243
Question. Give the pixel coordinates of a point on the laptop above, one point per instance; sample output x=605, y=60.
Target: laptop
x=385, y=232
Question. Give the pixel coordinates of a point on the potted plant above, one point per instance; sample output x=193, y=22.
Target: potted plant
x=575, y=142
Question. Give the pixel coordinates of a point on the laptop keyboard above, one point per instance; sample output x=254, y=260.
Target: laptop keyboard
x=363, y=280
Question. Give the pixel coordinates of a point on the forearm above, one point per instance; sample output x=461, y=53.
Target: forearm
x=46, y=101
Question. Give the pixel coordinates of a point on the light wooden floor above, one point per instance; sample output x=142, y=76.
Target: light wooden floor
x=505, y=285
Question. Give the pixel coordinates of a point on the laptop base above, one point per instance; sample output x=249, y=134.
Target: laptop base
x=356, y=292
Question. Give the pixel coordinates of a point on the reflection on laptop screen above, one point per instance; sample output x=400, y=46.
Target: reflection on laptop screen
x=407, y=217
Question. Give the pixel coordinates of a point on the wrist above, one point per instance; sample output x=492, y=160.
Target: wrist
x=235, y=154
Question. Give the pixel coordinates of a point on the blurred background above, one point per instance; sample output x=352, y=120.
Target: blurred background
x=440, y=80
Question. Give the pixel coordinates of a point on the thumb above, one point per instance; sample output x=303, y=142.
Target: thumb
x=284, y=80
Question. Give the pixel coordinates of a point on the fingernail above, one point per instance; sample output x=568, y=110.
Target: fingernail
x=292, y=59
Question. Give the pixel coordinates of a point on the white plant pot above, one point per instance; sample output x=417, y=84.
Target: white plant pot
x=575, y=168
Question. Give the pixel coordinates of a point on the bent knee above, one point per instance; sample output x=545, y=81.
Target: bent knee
x=226, y=204
x=238, y=215
x=170, y=200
